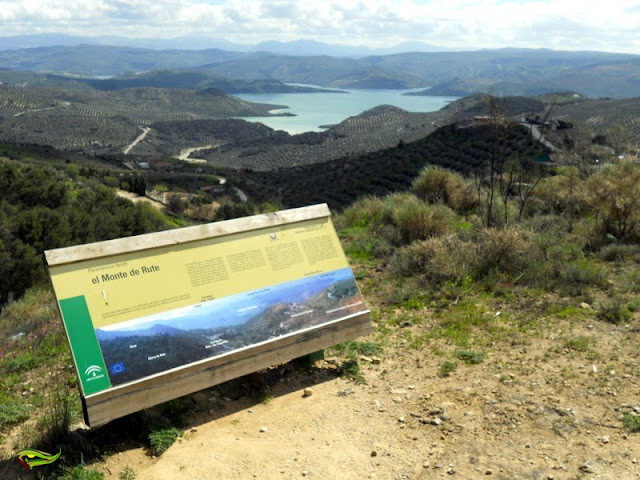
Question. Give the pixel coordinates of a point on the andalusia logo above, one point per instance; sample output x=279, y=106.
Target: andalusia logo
x=93, y=372
x=30, y=458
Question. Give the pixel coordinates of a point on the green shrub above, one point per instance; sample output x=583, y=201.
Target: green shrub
x=35, y=310
x=579, y=344
x=564, y=194
x=618, y=253
x=80, y=472
x=364, y=244
x=613, y=194
x=127, y=473
x=354, y=348
x=351, y=370
x=582, y=273
x=633, y=305
x=447, y=368
x=614, y=312
x=632, y=282
x=563, y=253
x=632, y=422
x=13, y=413
x=161, y=440
x=470, y=357
x=53, y=426
x=555, y=226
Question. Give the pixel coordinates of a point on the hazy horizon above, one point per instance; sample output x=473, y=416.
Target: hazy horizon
x=459, y=25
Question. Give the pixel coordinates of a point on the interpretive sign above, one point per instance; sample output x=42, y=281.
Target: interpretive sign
x=156, y=316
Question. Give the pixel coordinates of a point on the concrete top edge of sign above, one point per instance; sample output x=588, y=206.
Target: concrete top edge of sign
x=61, y=256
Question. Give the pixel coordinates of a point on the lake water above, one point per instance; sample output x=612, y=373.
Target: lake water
x=315, y=109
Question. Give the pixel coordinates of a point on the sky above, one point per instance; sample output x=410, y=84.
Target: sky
x=459, y=24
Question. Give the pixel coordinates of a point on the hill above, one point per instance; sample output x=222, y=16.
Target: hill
x=181, y=79
x=596, y=77
x=106, y=121
x=340, y=182
x=503, y=71
x=381, y=127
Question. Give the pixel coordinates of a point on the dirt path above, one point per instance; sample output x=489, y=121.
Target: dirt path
x=145, y=131
x=137, y=198
x=533, y=410
x=186, y=153
x=241, y=195
x=19, y=114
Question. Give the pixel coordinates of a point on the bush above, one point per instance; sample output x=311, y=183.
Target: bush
x=614, y=312
x=35, y=311
x=438, y=185
x=564, y=194
x=447, y=368
x=13, y=413
x=507, y=250
x=470, y=357
x=80, y=472
x=127, y=473
x=614, y=194
x=582, y=273
x=579, y=344
x=161, y=440
x=54, y=424
x=632, y=422
x=437, y=259
x=416, y=220
x=364, y=212
x=618, y=253
x=351, y=370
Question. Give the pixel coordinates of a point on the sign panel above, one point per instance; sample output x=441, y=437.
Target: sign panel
x=152, y=305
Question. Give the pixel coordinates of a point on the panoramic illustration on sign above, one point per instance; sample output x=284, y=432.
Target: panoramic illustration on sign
x=140, y=313
x=173, y=338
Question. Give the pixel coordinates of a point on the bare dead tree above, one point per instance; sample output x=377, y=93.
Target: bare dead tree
x=497, y=126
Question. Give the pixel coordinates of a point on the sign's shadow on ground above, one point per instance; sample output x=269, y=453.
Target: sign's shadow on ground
x=184, y=413
x=221, y=400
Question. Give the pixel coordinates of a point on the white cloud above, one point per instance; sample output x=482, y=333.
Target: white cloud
x=462, y=24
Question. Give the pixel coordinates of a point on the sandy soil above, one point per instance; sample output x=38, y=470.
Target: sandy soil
x=137, y=198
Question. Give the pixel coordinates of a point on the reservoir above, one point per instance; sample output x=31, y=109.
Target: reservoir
x=315, y=109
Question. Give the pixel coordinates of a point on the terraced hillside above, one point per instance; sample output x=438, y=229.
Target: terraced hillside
x=237, y=143
x=340, y=182
x=603, y=114
x=94, y=120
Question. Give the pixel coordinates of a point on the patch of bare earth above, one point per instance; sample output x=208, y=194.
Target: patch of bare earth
x=138, y=198
x=538, y=407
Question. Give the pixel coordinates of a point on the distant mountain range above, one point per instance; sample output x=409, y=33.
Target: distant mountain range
x=297, y=47
x=501, y=72
x=157, y=329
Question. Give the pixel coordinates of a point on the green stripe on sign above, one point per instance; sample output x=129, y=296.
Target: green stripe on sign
x=84, y=345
